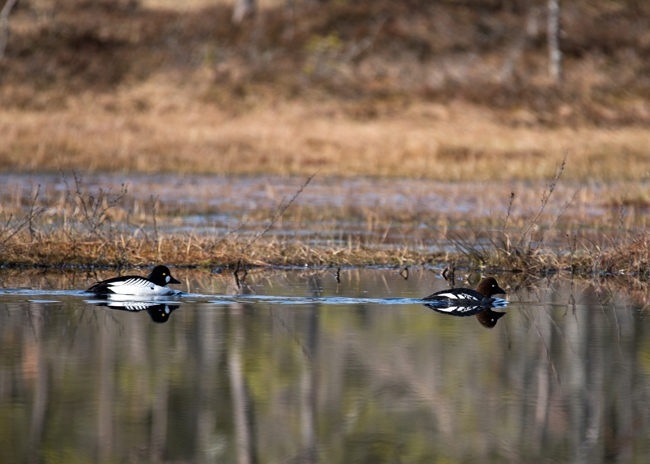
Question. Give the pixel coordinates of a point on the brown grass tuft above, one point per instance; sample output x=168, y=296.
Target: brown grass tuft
x=88, y=226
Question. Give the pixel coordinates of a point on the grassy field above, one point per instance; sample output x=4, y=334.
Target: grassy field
x=452, y=91
x=425, y=140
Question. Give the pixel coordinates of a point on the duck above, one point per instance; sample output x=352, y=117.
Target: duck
x=459, y=298
x=155, y=284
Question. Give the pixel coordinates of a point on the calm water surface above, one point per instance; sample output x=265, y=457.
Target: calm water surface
x=297, y=367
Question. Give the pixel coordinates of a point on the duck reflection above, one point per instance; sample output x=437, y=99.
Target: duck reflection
x=158, y=311
x=484, y=314
x=489, y=318
x=468, y=302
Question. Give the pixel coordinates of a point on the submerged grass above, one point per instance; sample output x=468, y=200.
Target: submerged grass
x=81, y=225
x=618, y=251
x=94, y=228
x=196, y=252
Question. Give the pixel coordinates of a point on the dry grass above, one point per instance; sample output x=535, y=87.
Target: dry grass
x=615, y=250
x=629, y=257
x=195, y=252
x=89, y=226
x=160, y=90
x=456, y=142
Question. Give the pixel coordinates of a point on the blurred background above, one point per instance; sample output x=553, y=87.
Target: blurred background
x=448, y=89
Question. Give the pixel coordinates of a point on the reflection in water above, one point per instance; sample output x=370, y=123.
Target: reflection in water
x=489, y=318
x=566, y=378
x=483, y=313
x=159, y=312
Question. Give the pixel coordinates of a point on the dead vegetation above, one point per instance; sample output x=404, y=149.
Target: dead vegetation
x=618, y=251
x=377, y=88
x=87, y=225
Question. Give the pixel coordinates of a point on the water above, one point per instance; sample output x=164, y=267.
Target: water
x=296, y=366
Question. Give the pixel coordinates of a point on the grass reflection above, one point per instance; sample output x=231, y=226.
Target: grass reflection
x=560, y=378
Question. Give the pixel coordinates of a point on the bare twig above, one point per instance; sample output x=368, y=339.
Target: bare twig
x=545, y=197
x=33, y=212
x=512, y=199
x=236, y=230
x=94, y=209
x=154, y=207
x=280, y=211
x=564, y=207
x=4, y=25
x=9, y=231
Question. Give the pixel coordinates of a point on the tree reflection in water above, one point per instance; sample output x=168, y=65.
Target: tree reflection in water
x=560, y=379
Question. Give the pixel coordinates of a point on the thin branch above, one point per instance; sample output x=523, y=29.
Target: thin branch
x=154, y=205
x=17, y=228
x=33, y=212
x=512, y=199
x=564, y=207
x=94, y=209
x=281, y=210
x=4, y=25
x=10, y=231
x=545, y=197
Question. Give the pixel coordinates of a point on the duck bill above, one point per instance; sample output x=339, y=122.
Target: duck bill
x=173, y=281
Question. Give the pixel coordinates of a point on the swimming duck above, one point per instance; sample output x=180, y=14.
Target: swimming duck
x=155, y=284
x=466, y=297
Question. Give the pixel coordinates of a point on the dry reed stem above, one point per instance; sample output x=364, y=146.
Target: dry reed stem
x=110, y=234
x=630, y=257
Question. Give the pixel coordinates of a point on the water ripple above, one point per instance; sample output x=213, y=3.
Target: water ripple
x=219, y=299
x=299, y=300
